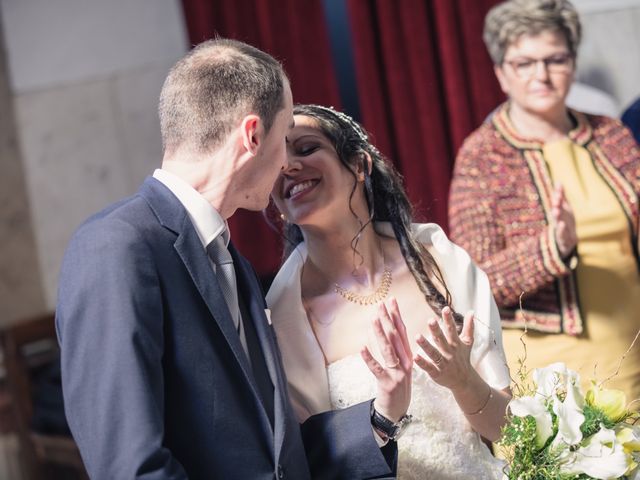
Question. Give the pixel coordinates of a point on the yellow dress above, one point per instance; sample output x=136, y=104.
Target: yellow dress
x=607, y=278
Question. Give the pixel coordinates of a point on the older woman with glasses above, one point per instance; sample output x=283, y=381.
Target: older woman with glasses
x=546, y=201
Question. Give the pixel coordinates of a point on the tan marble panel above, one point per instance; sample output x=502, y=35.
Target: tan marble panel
x=21, y=293
x=136, y=96
x=74, y=161
x=61, y=42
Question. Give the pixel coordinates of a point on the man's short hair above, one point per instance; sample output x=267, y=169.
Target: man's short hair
x=213, y=87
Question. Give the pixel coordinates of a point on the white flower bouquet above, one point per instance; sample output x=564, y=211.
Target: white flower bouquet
x=555, y=432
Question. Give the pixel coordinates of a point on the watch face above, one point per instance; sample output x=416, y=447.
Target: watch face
x=401, y=427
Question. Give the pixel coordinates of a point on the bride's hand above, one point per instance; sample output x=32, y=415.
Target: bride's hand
x=394, y=376
x=448, y=354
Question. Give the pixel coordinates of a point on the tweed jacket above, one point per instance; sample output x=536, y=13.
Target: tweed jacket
x=500, y=212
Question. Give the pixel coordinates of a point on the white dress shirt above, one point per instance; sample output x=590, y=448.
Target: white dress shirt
x=207, y=220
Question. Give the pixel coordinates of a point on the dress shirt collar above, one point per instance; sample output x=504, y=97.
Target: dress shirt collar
x=207, y=221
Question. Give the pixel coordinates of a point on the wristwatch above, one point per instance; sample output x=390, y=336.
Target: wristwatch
x=392, y=430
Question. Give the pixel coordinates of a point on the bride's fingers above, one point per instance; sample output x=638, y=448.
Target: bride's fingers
x=450, y=331
x=468, y=328
x=435, y=356
x=437, y=335
x=372, y=363
x=403, y=347
x=386, y=320
x=425, y=365
x=389, y=356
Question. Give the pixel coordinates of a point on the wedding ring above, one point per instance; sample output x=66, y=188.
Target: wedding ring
x=438, y=360
x=393, y=365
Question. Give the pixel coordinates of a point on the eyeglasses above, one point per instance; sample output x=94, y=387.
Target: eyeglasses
x=527, y=67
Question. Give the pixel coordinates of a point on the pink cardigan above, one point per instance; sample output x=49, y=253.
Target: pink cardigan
x=499, y=211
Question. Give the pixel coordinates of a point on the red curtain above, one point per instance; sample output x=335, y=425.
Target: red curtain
x=295, y=33
x=423, y=76
x=425, y=82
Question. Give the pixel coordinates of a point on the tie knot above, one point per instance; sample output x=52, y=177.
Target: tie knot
x=218, y=251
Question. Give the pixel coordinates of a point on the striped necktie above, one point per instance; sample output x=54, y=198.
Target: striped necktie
x=226, y=276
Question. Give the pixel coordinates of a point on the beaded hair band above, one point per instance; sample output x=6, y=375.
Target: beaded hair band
x=360, y=132
x=346, y=119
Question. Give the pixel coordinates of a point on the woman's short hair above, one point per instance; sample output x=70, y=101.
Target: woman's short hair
x=509, y=20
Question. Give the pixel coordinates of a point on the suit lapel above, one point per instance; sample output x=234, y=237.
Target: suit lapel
x=256, y=305
x=197, y=263
x=172, y=215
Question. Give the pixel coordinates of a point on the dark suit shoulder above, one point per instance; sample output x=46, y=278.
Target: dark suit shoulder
x=118, y=243
x=132, y=210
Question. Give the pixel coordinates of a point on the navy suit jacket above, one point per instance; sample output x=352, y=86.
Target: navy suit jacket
x=156, y=383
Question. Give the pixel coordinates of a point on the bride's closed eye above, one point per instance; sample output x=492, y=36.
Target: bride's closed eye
x=306, y=149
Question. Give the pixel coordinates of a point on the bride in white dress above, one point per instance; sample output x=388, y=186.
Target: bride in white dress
x=351, y=245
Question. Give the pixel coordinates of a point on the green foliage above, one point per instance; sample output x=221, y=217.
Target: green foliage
x=593, y=417
x=526, y=460
x=529, y=462
x=522, y=384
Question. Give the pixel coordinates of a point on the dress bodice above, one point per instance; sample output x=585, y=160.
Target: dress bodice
x=439, y=444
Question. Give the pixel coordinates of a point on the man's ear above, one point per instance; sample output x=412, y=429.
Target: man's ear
x=363, y=162
x=250, y=133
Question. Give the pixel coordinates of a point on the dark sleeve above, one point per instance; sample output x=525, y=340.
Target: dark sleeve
x=631, y=118
x=627, y=156
x=109, y=321
x=340, y=445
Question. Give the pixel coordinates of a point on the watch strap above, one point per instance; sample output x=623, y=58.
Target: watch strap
x=390, y=429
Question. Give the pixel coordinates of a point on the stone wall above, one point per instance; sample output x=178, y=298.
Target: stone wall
x=21, y=290
x=85, y=76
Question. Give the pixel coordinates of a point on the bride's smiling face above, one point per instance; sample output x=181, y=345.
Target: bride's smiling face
x=314, y=187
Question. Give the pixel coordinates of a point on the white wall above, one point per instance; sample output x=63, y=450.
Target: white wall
x=86, y=75
x=609, y=57
x=590, y=6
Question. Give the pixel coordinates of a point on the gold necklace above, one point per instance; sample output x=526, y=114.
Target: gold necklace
x=381, y=292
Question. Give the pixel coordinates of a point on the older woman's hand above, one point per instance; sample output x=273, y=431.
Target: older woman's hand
x=448, y=354
x=394, y=375
x=565, y=222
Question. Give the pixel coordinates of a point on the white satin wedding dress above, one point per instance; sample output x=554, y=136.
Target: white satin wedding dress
x=439, y=444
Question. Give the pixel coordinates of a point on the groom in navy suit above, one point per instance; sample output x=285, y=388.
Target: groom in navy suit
x=170, y=365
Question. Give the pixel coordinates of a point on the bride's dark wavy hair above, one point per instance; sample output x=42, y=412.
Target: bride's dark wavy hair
x=386, y=200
